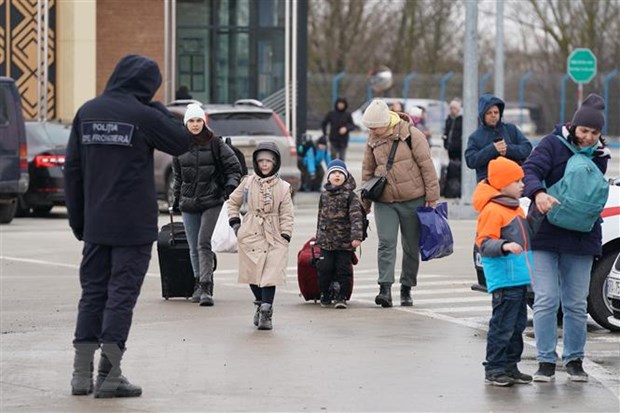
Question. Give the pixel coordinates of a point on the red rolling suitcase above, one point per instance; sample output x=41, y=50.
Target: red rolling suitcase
x=307, y=274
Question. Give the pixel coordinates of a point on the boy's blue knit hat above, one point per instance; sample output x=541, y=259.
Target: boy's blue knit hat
x=337, y=165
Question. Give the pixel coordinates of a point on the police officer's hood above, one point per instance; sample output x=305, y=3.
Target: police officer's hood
x=485, y=102
x=135, y=75
x=271, y=147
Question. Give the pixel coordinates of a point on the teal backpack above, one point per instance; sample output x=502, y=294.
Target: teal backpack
x=582, y=191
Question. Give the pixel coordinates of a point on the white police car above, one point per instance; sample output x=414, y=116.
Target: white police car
x=613, y=293
x=599, y=303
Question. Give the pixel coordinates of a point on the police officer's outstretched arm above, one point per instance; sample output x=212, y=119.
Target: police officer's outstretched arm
x=164, y=132
x=74, y=182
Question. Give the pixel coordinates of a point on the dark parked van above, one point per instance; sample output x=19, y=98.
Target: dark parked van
x=13, y=150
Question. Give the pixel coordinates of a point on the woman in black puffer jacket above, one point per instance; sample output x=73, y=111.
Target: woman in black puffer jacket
x=201, y=184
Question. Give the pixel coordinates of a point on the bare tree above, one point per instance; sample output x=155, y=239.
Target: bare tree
x=566, y=25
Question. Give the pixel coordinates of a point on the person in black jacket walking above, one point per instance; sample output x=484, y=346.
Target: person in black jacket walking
x=201, y=184
x=453, y=143
x=340, y=124
x=112, y=205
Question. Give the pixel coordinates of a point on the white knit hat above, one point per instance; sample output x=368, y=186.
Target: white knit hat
x=194, y=110
x=376, y=115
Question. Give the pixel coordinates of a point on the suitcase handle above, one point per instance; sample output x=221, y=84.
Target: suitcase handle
x=170, y=211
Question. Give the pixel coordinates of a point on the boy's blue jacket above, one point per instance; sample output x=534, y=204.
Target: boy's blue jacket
x=501, y=221
x=480, y=149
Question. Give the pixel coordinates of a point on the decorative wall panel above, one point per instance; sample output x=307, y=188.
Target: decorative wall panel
x=19, y=49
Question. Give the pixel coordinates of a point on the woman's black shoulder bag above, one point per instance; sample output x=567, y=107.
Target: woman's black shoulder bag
x=373, y=188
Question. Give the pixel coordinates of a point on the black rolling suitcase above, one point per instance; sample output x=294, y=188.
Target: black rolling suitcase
x=177, y=276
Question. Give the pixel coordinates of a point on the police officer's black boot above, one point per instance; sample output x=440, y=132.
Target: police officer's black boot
x=405, y=296
x=384, y=298
x=197, y=292
x=110, y=381
x=206, y=298
x=82, y=380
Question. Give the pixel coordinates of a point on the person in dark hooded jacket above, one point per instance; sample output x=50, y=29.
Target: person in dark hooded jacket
x=340, y=124
x=340, y=230
x=494, y=138
x=201, y=183
x=112, y=205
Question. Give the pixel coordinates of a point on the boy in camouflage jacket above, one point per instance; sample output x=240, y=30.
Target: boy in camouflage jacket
x=339, y=233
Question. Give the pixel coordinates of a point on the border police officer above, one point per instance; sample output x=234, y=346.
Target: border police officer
x=112, y=205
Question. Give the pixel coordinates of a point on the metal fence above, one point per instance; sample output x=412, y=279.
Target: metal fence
x=542, y=93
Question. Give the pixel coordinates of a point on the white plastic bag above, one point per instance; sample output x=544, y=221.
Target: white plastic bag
x=223, y=238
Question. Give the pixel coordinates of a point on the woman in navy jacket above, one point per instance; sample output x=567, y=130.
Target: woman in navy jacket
x=563, y=258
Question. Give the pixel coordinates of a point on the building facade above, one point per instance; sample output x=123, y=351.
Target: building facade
x=220, y=50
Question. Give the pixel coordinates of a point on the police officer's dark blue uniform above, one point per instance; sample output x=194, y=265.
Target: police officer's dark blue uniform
x=111, y=200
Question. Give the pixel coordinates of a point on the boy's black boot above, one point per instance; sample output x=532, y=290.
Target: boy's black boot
x=110, y=382
x=82, y=380
x=384, y=298
x=206, y=298
x=264, y=316
x=405, y=296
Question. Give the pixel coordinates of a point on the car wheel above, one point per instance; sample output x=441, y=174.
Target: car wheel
x=22, y=210
x=41, y=211
x=7, y=212
x=599, y=306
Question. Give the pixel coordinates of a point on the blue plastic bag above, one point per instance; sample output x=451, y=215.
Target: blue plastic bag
x=435, y=235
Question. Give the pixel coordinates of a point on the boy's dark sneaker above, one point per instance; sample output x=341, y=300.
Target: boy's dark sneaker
x=340, y=303
x=325, y=301
x=545, y=373
x=575, y=371
x=498, y=379
x=518, y=377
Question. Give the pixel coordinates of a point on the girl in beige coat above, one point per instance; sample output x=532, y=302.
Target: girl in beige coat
x=265, y=232
x=411, y=183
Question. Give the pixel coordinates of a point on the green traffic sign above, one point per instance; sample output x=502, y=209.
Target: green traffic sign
x=581, y=65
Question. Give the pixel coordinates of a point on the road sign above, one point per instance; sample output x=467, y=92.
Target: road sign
x=581, y=65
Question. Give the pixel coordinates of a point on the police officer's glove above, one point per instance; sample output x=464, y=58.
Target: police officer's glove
x=286, y=237
x=228, y=189
x=78, y=233
x=235, y=223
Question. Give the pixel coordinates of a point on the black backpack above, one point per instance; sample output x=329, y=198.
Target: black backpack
x=215, y=148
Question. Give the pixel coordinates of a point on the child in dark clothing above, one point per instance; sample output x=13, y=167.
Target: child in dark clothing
x=339, y=231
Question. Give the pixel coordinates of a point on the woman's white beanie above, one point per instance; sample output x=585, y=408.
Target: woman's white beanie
x=194, y=110
x=376, y=115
